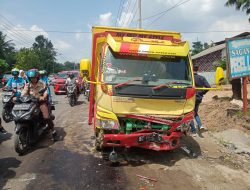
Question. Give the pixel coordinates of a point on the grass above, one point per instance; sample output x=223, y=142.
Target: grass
x=240, y=113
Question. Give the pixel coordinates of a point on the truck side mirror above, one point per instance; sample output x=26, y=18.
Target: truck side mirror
x=219, y=76
x=85, y=68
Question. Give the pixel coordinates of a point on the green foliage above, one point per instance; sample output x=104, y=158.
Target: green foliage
x=3, y=66
x=27, y=59
x=223, y=64
x=243, y=5
x=66, y=66
x=70, y=65
x=41, y=55
x=198, y=47
x=46, y=53
x=7, y=50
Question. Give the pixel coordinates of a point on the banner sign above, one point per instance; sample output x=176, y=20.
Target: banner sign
x=238, y=53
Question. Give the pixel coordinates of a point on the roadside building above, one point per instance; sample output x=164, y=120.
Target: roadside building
x=210, y=58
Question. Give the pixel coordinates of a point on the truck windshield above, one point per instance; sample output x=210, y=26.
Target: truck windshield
x=119, y=68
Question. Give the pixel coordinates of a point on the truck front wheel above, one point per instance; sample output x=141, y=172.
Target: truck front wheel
x=98, y=139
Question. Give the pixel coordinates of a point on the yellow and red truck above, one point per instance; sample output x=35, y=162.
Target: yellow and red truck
x=142, y=90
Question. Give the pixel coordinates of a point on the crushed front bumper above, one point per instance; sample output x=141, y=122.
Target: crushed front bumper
x=150, y=140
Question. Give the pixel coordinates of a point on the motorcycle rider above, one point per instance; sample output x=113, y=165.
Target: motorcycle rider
x=22, y=74
x=44, y=78
x=32, y=88
x=71, y=80
x=2, y=130
x=17, y=83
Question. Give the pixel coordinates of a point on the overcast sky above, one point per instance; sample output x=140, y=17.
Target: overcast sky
x=194, y=18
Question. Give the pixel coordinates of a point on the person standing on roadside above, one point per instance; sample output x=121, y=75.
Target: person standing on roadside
x=200, y=82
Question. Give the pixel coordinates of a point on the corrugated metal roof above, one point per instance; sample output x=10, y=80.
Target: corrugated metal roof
x=209, y=50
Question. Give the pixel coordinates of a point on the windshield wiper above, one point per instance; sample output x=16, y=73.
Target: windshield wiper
x=169, y=85
x=127, y=82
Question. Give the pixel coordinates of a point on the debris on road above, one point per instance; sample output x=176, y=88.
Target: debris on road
x=143, y=177
x=189, y=152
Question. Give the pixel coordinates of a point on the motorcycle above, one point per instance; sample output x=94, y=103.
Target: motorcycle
x=86, y=90
x=8, y=104
x=29, y=122
x=72, y=94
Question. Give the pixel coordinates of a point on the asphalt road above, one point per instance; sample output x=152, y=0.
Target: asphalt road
x=69, y=163
x=73, y=163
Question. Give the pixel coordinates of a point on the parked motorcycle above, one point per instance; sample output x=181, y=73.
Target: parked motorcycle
x=86, y=90
x=72, y=94
x=8, y=104
x=29, y=122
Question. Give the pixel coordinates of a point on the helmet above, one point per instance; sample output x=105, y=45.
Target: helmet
x=43, y=72
x=15, y=72
x=71, y=75
x=21, y=72
x=33, y=73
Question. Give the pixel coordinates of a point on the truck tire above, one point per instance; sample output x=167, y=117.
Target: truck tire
x=98, y=140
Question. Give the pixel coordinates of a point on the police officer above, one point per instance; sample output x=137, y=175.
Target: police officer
x=32, y=88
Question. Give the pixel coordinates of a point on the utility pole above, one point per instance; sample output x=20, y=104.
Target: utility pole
x=139, y=7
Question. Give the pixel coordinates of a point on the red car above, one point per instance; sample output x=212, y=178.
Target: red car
x=59, y=84
x=5, y=78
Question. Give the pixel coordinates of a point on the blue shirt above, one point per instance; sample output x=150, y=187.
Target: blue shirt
x=45, y=80
x=17, y=84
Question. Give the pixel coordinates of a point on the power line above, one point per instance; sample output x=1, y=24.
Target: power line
x=119, y=9
x=132, y=12
x=119, y=17
x=127, y=8
x=11, y=25
x=15, y=36
x=164, y=12
x=134, y=15
x=152, y=16
x=50, y=31
x=213, y=31
x=72, y=32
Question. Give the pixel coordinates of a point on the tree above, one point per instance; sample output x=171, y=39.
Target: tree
x=7, y=50
x=46, y=52
x=206, y=46
x=243, y=5
x=3, y=66
x=197, y=47
x=28, y=59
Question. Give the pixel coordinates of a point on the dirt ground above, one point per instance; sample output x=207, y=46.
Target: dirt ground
x=219, y=114
x=216, y=166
